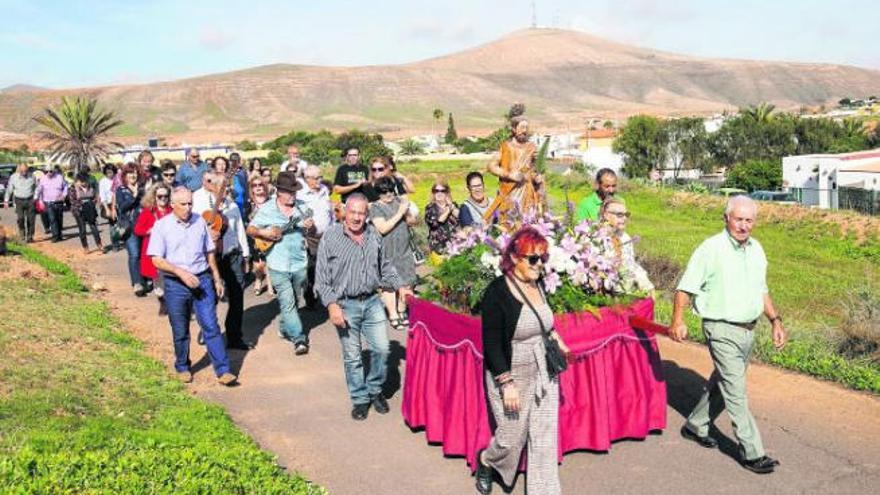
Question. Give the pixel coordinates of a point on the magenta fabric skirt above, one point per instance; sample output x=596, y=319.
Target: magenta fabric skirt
x=613, y=390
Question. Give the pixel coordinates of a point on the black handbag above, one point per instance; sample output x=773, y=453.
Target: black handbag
x=556, y=361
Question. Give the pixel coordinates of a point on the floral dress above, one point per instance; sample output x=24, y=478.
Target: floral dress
x=439, y=233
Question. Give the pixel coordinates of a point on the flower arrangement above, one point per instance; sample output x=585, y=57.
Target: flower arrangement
x=585, y=269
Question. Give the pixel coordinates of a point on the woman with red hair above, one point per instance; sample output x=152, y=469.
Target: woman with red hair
x=523, y=396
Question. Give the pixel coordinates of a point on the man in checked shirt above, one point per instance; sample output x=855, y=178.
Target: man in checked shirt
x=348, y=276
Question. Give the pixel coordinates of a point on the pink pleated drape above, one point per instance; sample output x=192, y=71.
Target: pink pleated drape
x=613, y=390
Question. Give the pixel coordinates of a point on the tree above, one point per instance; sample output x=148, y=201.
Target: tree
x=643, y=143
x=608, y=124
x=761, y=113
x=845, y=102
x=437, y=114
x=687, y=144
x=755, y=175
x=451, y=133
x=246, y=145
x=370, y=145
x=77, y=131
x=411, y=147
x=754, y=134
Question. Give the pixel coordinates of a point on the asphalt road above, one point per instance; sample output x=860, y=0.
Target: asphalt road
x=827, y=438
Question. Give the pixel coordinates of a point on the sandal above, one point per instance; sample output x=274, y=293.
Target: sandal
x=397, y=324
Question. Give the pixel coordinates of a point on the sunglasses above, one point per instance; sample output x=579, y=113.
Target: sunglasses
x=195, y=156
x=378, y=169
x=439, y=191
x=161, y=196
x=535, y=258
x=168, y=174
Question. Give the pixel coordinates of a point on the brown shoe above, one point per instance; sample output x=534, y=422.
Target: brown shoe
x=227, y=379
x=185, y=376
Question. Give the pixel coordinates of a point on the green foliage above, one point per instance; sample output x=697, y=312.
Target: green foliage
x=274, y=157
x=246, y=145
x=451, y=134
x=84, y=410
x=323, y=147
x=77, y=131
x=643, y=143
x=460, y=281
x=755, y=175
x=754, y=134
x=688, y=144
x=570, y=298
x=541, y=159
x=411, y=147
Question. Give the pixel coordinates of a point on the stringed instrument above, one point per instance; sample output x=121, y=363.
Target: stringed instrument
x=217, y=223
x=264, y=245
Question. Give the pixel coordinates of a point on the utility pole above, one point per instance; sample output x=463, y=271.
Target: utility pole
x=534, y=15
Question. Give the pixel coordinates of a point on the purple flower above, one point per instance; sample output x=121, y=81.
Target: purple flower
x=552, y=282
x=569, y=245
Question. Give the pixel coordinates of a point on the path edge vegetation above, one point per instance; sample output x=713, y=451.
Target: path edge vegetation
x=111, y=419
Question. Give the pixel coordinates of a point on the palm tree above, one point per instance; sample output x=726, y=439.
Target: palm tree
x=438, y=114
x=761, y=113
x=77, y=131
x=853, y=128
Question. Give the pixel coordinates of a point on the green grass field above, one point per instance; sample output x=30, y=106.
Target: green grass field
x=811, y=271
x=84, y=410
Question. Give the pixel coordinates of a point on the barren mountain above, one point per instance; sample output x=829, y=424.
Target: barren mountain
x=560, y=75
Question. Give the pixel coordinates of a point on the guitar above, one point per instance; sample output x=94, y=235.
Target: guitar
x=217, y=223
x=264, y=245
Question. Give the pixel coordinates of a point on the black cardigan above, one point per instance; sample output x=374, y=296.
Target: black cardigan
x=500, y=312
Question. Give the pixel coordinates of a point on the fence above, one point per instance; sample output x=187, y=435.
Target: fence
x=862, y=200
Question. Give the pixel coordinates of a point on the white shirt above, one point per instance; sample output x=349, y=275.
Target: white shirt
x=319, y=202
x=300, y=167
x=105, y=190
x=234, y=237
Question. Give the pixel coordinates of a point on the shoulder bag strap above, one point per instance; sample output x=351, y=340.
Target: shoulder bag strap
x=529, y=303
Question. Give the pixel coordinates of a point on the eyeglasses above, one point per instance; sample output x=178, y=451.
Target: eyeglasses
x=378, y=169
x=435, y=191
x=619, y=214
x=535, y=258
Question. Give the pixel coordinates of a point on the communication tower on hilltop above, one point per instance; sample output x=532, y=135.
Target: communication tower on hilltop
x=534, y=15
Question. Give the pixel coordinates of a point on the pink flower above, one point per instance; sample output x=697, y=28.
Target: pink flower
x=552, y=282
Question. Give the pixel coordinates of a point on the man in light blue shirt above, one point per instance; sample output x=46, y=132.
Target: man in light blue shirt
x=284, y=221
x=182, y=249
x=191, y=171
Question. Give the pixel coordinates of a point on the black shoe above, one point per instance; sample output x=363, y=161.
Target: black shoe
x=360, y=411
x=201, y=338
x=707, y=441
x=483, y=476
x=300, y=348
x=163, y=309
x=761, y=465
x=240, y=345
x=380, y=404
x=140, y=290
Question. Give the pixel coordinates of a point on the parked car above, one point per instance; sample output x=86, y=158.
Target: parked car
x=730, y=191
x=6, y=171
x=774, y=196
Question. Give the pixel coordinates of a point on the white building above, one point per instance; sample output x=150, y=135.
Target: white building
x=815, y=179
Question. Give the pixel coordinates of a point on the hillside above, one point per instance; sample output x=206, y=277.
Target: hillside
x=560, y=75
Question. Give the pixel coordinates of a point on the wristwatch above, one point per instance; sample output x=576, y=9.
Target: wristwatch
x=777, y=317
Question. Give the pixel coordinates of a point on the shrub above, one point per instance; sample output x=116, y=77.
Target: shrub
x=860, y=328
x=411, y=147
x=662, y=271
x=754, y=175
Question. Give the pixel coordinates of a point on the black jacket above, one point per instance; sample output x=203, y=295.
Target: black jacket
x=500, y=313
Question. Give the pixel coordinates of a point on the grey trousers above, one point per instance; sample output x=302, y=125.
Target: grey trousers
x=730, y=347
x=536, y=427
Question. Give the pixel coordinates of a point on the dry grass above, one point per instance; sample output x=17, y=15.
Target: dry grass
x=860, y=328
x=662, y=271
x=860, y=228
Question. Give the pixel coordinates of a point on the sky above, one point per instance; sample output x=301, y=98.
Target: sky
x=70, y=43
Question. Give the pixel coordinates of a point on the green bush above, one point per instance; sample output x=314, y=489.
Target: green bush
x=756, y=175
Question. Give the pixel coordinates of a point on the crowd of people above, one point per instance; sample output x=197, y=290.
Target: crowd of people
x=197, y=233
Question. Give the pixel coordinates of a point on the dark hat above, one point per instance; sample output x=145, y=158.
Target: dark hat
x=286, y=181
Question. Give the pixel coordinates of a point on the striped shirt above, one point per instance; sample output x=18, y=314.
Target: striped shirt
x=348, y=269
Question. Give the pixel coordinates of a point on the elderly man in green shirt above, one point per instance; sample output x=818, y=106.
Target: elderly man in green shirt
x=606, y=186
x=727, y=277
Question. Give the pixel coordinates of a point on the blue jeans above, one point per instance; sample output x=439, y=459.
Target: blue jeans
x=180, y=301
x=287, y=287
x=366, y=321
x=133, y=248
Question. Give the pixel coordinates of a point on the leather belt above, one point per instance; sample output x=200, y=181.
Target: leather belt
x=748, y=325
x=359, y=297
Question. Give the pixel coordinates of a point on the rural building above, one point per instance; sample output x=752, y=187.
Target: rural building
x=826, y=181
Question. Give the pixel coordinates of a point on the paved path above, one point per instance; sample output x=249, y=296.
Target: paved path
x=827, y=438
